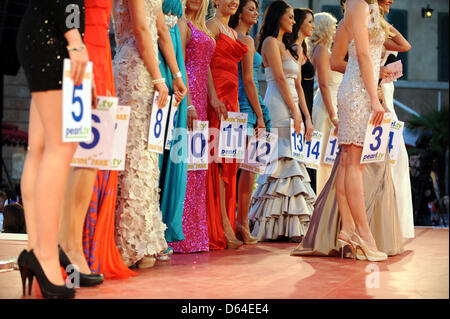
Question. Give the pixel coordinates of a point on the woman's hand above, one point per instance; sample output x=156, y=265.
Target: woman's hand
x=259, y=125
x=335, y=122
x=94, y=94
x=179, y=89
x=297, y=124
x=378, y=112
x=219, y=108
x=385, y=73
x=163, y=94
x=78, y=62
x=309, y=129
x=191, y=117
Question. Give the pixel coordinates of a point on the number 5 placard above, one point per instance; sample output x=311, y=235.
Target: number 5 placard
x=376, y=140
x=76, y=106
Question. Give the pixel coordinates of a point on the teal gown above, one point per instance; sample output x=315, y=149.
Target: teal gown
x=244, y=103
x=173, y=163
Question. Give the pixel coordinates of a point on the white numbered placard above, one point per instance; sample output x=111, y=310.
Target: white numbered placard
x=298, y=143
x=259, y=152
x=97, y=152
x=120, y=138
x=332, y=148
x=233, y=133
x=395, y=140
x=198, y=146
x=172, y=121
x=76, y=106
x=376, y=140
x=157, y=128
x=313, y=149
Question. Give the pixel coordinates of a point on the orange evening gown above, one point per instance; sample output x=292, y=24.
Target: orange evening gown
x=224, y=70
x=99, y=244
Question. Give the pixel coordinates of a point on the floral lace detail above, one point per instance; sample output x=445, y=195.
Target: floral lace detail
x=139, y=225
x=354, y=106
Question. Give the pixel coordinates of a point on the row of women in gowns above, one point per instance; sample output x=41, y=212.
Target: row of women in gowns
x=187, y=215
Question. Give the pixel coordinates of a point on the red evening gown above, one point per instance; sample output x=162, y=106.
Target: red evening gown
x=224, y=70
x=99, y=244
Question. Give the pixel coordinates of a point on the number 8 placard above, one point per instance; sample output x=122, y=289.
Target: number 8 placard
x=157, y=128
x=76, y=106
x=375, y=142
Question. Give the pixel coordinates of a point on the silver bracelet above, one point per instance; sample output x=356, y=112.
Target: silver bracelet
x=159, y=81
x=190, y=107
x=177, y=75
x=76, y=49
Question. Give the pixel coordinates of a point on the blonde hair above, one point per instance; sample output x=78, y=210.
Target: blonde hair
x=323, y=31
x=199, y=17
x=383, y=25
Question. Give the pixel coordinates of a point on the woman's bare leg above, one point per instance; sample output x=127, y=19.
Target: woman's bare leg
x=245, y=188
x=227, y=228
x=30, y=169
x=74, y=209
x=347, y=223
x=51, y=179
x=354, y=191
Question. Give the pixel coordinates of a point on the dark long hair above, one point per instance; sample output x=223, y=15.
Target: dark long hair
x=300, y=17
x=234, y=19
x=271, y=24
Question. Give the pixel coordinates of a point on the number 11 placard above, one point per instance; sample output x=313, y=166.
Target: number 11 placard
x=233, y=133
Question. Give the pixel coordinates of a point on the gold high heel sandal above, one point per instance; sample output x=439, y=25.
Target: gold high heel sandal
x=244, y=235
x=344, y=243
x=367, y=252
x=233, y=244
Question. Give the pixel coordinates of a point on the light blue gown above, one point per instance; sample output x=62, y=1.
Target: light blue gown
x=173, y=176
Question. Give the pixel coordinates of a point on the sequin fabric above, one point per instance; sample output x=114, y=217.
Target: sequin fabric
x=354, y=107
x=139, y=225
x=199, y=51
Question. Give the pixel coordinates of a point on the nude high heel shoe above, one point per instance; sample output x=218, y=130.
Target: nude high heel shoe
x=244, y=235
x=343, y=243
x=368, y=253
x=233, y=243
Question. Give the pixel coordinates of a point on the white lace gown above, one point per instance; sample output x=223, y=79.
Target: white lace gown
x=282, y=203
x=400, y=171
x=322, y=123
x=139, y=225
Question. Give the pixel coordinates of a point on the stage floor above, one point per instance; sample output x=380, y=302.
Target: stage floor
x=267, y=271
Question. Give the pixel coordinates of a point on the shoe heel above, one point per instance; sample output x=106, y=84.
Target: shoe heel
x=24, y=275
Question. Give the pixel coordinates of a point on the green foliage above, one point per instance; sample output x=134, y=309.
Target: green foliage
x=436, y=122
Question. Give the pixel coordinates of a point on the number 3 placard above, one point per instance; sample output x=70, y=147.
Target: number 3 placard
x=76, y=106
x=376, y=140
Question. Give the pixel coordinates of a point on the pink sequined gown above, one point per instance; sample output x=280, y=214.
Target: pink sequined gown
x=199, y=51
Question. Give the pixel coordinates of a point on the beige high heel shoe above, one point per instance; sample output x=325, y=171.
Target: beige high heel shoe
x=244, y=235
x=343, y=243
x=233, y=243
x=368, y=253
x=146, y=262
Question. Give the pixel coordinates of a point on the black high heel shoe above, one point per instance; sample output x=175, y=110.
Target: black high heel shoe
x=24, y=272
x=86, y=280
x=30, y=267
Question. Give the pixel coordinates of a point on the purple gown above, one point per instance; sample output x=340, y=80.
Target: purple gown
x=199, y=52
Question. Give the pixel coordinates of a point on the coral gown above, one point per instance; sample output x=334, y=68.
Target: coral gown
x=99, y=245
x=224, y=70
